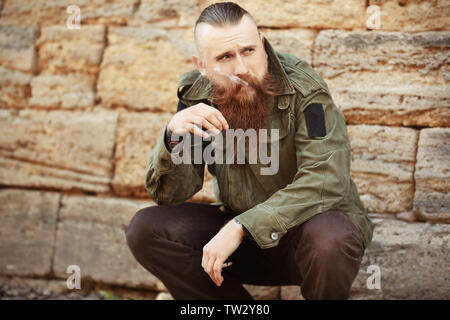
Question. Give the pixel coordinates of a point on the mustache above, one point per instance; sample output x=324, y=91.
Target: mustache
x=268, y=85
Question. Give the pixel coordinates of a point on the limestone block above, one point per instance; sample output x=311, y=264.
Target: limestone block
x=390, y=78
x=91, y=234
x=17, y=48
x=57, y=149
x=382, y=166
x=137, y=134
x=412, y=259
x=73, y=90
x=325, y=14
x=166, y=14
x=432, y=175
x=298, y=42
x=328, y=14
x=45, y=13
x=141, y=66
x=62, y=50
x=27, y=231
x=15, y=90
x=413, y=15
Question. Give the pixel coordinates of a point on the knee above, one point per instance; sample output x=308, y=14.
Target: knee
x=328, y=247
x=142, y=227
x=331, y=238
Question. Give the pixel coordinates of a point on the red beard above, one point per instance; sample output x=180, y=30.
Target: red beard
x=247, y=111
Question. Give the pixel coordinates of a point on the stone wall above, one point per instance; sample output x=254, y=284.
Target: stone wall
x=81, y=108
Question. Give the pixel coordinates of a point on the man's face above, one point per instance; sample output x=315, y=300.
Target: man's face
x=236, y=63
x=234, y=51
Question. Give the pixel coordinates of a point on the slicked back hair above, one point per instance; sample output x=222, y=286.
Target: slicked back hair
x=221, y=14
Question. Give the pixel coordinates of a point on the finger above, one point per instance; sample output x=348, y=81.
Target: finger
x=208, y=125
x=196, y=130
x=209, y=269
x=222, y=119
x=212, y=117
x=218, y=271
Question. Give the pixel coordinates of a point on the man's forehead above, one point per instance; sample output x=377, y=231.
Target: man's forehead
x=218, y=39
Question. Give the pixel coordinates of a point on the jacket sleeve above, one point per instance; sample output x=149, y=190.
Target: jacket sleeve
x=322, y=177
x=168, y=183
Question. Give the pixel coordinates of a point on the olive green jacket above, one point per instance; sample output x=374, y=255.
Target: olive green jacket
x=314, y=163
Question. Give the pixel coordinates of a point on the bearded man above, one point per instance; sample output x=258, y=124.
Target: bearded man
x=303, y=225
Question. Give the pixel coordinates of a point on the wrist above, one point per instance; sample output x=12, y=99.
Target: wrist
x=239, y=226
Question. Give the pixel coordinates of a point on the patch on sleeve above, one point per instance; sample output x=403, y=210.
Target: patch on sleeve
x=315, y=120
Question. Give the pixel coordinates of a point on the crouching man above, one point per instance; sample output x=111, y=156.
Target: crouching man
x=301, y=224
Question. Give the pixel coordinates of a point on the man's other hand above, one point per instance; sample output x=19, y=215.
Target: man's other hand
x=219, y=248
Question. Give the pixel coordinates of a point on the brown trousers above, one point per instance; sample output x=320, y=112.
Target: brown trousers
x=322, y=255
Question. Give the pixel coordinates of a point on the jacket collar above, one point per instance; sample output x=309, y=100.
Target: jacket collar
x=201, y=88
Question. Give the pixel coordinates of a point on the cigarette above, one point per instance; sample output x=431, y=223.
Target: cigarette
x=233, y=78
x=227, y=264
x=238, y=80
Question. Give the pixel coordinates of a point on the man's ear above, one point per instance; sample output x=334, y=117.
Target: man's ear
x=199, y=65
x=262, y=41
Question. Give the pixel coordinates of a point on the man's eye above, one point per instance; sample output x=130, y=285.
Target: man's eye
x=250, y=49
x=225, y=57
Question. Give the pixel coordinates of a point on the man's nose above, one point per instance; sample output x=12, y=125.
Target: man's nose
x=240, y=68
